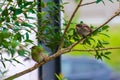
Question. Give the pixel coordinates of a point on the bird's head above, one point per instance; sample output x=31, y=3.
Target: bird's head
x=82, y=25
x=33, y=47
x=78, y=26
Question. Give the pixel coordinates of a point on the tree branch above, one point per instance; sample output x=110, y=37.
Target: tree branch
x=25, y=71
x=68, y=25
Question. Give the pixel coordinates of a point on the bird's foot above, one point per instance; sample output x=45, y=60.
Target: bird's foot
x=45, y=59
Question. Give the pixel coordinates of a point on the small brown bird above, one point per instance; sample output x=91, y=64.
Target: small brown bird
x=38, y=54
x=83, y=29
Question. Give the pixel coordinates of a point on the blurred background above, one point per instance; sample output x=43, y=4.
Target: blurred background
x=95, y=14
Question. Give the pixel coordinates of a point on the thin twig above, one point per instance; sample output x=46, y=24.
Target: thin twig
x=87, y=3
x=68, y=25
x=92, y=50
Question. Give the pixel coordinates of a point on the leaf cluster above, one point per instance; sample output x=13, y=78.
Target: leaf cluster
x=15, y=28
x=60, y=77
x=103, y=1
x=17, y=24
x=96, y=40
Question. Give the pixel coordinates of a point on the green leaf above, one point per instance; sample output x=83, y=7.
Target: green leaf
x=4, y=72
x=87, y=41
x=106, y=57
x=27, y=3
x=98, y=55
x=14, y=17
x=28, y=40
x=5, y=43
x=5, y=13
x=107, y=53
x=12, y=51
x=26, y=24
x=95, y=32
x=19, y=2
x=92, y=39
x=118, y=0
x=3, y=64
x=105, y=34
x=14, y=43
x=11, y=8
x=16, y=23
x=21, y=52
x=1, y=59
x=0, y=9
x=17, y=61
x=105, y=42
x=10, y=0
x=58, y=77
x=100, y=44
x=29, y=17
x=111, y=1
x=2, y=19
x=105, y=27
x=4, y=34
x=18, y=36
x=27, y=36
x=7, y=19
x=18, y=11
x=97, y=1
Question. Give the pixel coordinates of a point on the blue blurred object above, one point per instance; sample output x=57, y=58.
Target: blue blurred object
x=85, y=68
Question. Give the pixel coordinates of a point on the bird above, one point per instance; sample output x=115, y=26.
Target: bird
x=38, y=54
x=83, y=29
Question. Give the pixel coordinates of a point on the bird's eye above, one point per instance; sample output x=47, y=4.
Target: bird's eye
x=32, y=48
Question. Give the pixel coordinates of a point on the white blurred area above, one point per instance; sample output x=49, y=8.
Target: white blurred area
x=93, y=13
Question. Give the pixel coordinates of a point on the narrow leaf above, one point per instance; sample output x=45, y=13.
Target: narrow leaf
x=17, y=61
x=107, y=53
x=27, y=36
x=97, y=1
x=105, y=27
x=3, y=64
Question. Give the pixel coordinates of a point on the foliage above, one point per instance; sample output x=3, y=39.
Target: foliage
x=15, y=28
x=103, y=1
x=93, y=41
x=17, y=25
x=60, y=77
